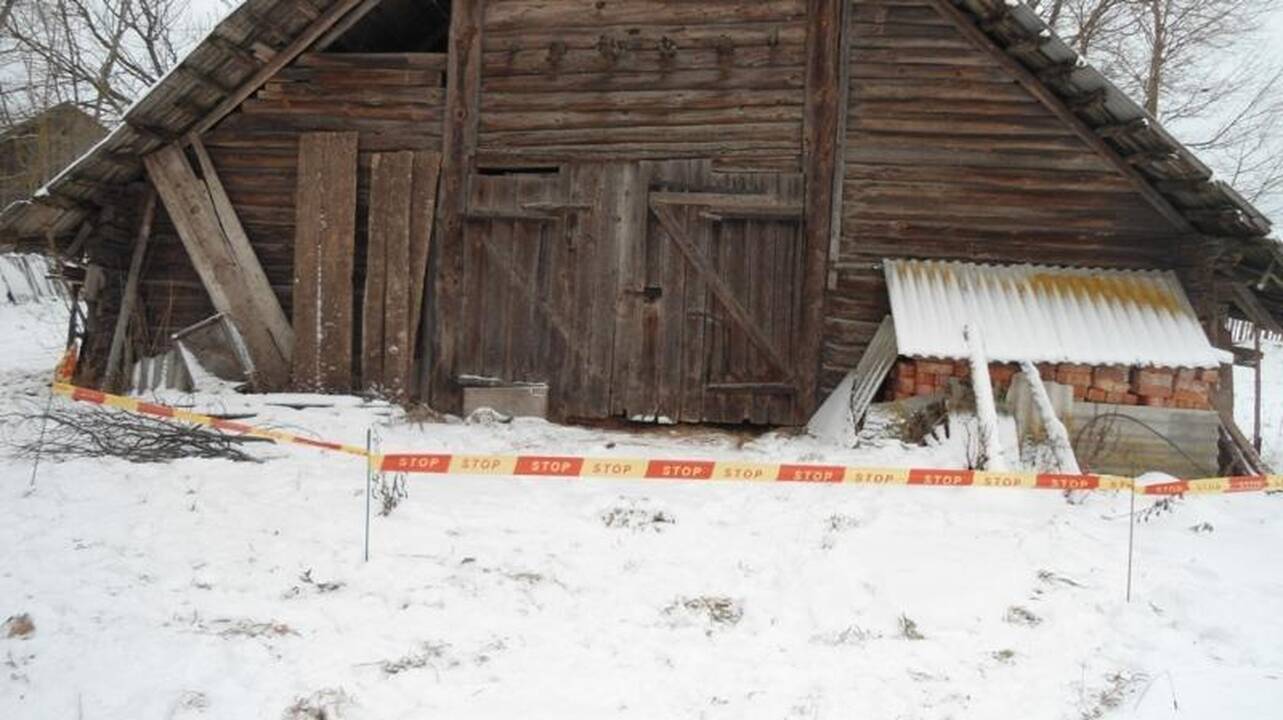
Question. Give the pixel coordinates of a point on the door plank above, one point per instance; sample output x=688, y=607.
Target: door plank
x=673, y=227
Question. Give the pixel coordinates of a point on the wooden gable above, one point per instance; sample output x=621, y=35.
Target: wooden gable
x=949, y=156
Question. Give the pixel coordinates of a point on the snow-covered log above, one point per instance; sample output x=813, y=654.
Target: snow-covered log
x=986, y=411
x=1056, y=432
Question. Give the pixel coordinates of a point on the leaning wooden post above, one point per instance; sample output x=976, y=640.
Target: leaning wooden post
x=129, y=298
x=1056, y=431
x=986, y=411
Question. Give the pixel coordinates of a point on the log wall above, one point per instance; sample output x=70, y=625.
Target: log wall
x=644, y=79
x=948, y=156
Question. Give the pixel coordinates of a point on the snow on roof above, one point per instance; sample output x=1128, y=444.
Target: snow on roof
x=1047, y=314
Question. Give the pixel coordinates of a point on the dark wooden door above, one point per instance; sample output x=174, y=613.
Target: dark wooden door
x=710, y=300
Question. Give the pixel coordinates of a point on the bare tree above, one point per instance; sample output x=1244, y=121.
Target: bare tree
x=97, y=54
x=1198, y=66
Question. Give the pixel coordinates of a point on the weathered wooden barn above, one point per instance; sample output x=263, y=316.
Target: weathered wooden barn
x=657, y=208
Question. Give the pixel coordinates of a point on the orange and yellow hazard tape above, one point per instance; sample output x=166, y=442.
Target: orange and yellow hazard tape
x=556, y=466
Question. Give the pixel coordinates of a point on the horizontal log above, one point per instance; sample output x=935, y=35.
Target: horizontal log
x=771, y=78
x=594, y=100
x=590, y=13
x=747, y=133
x=649, y=36
x=653, y=115
x=542, y=61
x=363, y=61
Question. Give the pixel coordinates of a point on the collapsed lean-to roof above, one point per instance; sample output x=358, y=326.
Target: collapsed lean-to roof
x=1047, y=314
x=239, y=51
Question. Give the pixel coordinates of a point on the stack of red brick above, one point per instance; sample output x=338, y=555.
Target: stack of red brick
x=1159, y=387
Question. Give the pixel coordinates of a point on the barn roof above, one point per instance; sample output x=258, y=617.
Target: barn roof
x=1047, y=314
x=232, y=61
x=242, y=49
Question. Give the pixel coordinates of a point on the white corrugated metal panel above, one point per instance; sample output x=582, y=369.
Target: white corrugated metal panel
x=1047, y=314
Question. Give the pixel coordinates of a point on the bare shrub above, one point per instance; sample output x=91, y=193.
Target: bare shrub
x=324, y=704
x=389, y=493
x=909, y=629
x=636, y=518
x=100, y=432
x=1017, y=615
x=718, y=609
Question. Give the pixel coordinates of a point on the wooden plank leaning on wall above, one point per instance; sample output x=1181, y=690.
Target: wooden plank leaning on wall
x=324, y=254
x=115, y=357
x=403, y=188
x=222, y=256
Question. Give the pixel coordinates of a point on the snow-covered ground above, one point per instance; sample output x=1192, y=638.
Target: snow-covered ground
x=206, y=588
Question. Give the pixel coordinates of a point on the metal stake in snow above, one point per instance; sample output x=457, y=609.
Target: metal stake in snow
x=369, y=481
x=1131, y=537
x=986, y=412
x=1056, y=432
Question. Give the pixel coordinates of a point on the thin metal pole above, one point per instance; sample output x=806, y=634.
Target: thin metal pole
x=369, y=478
x=1256, y=394
x=1131, y=539
x=40, y=444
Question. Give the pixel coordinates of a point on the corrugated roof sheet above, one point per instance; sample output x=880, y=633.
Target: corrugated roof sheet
x=1047, y=314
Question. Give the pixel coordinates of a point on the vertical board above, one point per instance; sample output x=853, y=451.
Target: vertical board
x=324, y=246
x=458, y=141
x=423, y=208
x=385, y=330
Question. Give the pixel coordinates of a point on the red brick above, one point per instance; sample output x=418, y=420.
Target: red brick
x=1153, y=382
x=1196, y=395
x=1047, y=371
x=1154, y=401
x=1210, y=375
x=1096, y=395
x=1131, y=399
x=924, y=389
x=906, y=369
x=1080, y=392
x=1001, y=374
x=961, y=369
x=935, y=367
x=1111, y=379
x=1116, y=398
x=1076, y=375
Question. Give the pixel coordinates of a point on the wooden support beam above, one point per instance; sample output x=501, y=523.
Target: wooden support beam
x=725, y=295
x=129, y=298
x=458, y=144
x=1253, y=308
x=240, y=54
x=278, y=61
x=822, y=127
x=1060, y=109
x=237, y=289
